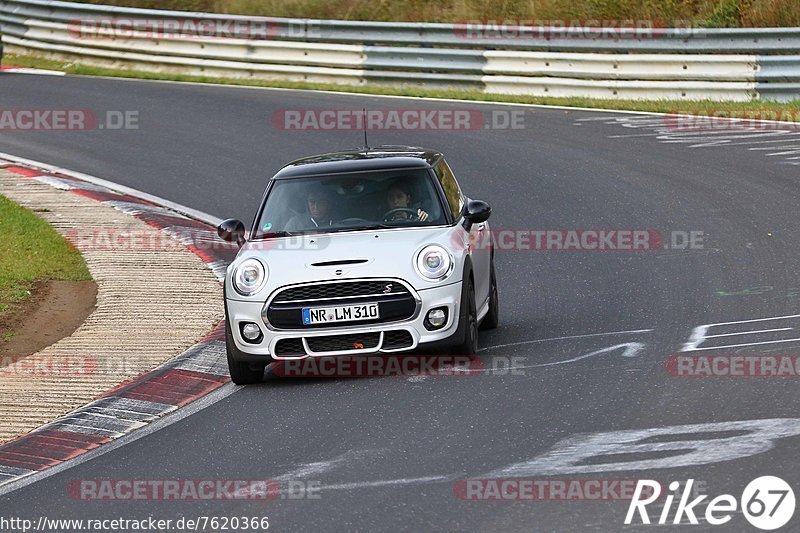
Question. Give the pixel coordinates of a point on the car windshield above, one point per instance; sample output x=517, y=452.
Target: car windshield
x=350, y=202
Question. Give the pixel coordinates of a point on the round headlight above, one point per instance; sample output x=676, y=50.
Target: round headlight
x=249, y=277
x=434, y=262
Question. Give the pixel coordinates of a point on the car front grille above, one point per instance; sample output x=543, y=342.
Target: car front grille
x=395, y=302
x=392, y=340
x=347, y=289
x=397, y=340
x=338, y=343
x=290, y=348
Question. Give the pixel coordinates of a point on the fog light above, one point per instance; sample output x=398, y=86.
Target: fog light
x=436, y=318
x=251, y=332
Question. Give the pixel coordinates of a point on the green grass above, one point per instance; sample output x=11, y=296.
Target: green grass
x=784, y=111
x=711, y=13
x=31, y=251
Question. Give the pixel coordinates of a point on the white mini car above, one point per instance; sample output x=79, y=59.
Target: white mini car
x=362, y=252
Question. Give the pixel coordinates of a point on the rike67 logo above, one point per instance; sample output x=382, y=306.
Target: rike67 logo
x=767, y=503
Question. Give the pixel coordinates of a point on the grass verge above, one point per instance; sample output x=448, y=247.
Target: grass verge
x=785, y=111
x=711, y=13
x=32, y=251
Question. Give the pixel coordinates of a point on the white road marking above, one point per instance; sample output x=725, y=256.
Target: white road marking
x=768, y=148
x=630, y=135
x=384, y=483
x=34, y=71
x=308, y=470
x=787, y=152
x=631, y=349
x=744, y=134
x=700, y=334
x=10, y=472
x=746, y=344
x=747, y=332
x=750, y=321
x=629, y=332
x=569, y=456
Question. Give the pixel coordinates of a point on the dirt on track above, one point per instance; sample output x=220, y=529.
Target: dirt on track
x=54, y=310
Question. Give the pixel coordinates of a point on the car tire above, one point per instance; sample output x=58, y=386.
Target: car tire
x=242, y=373
x=492, y=318
x=470, y=344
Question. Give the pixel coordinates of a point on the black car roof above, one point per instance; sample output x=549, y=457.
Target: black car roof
x=379, y=158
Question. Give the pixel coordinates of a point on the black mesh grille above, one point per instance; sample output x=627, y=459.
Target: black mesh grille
x=289, y=347
x=335, y=343
x=395, y=340
x=340, y=290
x=395, y=302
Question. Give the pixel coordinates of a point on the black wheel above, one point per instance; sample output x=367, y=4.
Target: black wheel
x=492, y=318
x=470, y=344
x=241, y=373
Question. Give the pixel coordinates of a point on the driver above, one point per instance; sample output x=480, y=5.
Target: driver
x=319, y=213
x=398, y=196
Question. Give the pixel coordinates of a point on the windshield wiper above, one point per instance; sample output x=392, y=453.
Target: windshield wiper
x=362, y=228
x=276, y=234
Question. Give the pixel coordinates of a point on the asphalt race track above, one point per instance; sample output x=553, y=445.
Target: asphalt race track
x=587, y=332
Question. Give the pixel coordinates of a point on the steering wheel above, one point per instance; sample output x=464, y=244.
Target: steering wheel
x=389, y=215
x=350, y=221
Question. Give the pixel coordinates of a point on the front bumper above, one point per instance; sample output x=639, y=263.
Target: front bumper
x=375, y=336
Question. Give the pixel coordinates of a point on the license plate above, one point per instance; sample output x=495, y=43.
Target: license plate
x=340, y=313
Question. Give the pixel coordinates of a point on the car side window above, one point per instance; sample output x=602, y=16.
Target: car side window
x=451, y=190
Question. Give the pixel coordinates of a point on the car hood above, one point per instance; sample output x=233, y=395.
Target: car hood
x=350, y=255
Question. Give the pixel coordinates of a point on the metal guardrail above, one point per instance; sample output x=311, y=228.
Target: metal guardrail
x=676, y=63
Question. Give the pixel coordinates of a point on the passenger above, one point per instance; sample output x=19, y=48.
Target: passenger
x=318, y=214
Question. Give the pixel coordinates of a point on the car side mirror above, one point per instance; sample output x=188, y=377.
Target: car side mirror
x=232, y=230
x=477, y=212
